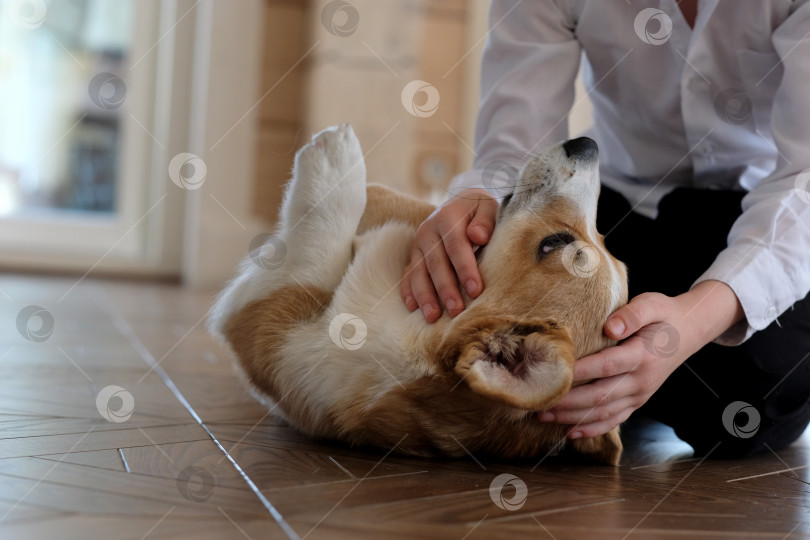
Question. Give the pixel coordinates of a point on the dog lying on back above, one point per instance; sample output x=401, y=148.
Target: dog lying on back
x=317, y=324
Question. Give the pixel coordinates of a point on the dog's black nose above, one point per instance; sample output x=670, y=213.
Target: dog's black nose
x=581, y=148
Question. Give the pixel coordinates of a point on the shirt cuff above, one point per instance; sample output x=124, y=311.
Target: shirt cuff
x=755, y=277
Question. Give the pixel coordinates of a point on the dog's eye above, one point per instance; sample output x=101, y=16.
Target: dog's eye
x=553, y=242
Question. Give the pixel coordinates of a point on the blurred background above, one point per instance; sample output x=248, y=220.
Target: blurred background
x=153, y=138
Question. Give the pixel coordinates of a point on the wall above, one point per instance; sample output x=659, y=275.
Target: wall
x=319, y=75
x=220, y=221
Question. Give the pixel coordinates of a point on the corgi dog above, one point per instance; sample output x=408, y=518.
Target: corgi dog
x=319, y=330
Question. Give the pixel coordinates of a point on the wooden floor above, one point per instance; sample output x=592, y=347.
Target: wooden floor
x=184, y=452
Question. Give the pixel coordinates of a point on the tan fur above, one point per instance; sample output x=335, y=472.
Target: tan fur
x=484, y=335
x=385, y=205
x=515, y=269
x=469, y=384
x=258, y=331
x=604, y=449
x=573, y=303
x=444, y=418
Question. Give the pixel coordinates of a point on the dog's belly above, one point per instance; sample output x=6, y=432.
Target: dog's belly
x=364, y=343
x=370, y=287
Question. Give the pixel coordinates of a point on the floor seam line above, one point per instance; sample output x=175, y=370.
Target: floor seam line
x=123, y=326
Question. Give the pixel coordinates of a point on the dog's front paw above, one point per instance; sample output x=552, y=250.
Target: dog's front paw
x=334, y=156
x=342, y=148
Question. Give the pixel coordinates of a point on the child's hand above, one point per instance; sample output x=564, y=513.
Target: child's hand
x=442, y=254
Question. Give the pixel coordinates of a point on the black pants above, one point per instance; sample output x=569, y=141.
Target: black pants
x=770, y=371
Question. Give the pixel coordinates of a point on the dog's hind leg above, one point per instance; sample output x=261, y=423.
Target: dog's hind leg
x=312, y=248
x=322, y=208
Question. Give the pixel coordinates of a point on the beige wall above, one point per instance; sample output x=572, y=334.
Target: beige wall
x=317, y=79
x=360, y=79
x=219, y=217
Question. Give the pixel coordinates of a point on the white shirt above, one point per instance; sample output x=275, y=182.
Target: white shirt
x=725, y=105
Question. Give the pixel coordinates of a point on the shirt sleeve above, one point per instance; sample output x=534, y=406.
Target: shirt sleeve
x=767, y=261
x=528, y=69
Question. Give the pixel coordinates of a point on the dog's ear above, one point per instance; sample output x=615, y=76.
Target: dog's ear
x=524, y=365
